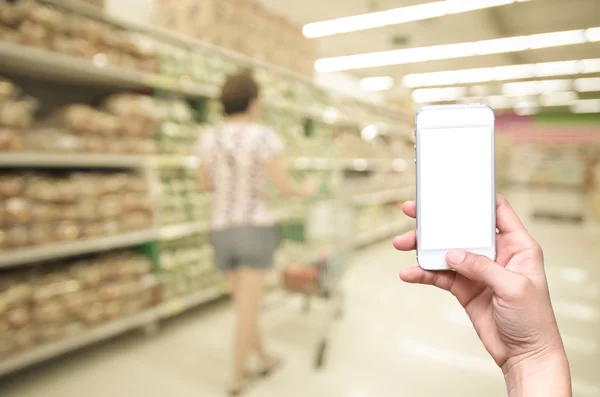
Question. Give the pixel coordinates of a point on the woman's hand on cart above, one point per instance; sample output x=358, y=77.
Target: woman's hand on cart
x=508, y=303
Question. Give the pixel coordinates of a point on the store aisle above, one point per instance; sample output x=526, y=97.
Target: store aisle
x=395, y=340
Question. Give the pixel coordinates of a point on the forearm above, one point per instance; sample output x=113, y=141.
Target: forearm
x=544, y=377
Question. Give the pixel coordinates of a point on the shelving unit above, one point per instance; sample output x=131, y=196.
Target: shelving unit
x=58, y=68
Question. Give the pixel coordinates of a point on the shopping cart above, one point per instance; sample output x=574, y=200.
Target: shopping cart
x=324, y=230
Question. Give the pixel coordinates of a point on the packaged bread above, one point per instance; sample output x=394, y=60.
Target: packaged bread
x=77, y=118
x=94, y=315
x=52, y=140
x=86, y=29
x=89, y=275
x=16, y=237
x=66, y=231
x=93, y=144
x=17, y=113
x=10, y=139
x=34, y=34
x=19, y=317
x=50, y=311
x=16, y=211
x=40, y=234
x=11, y=14
x=51, y=332
x=136, y=220
x=13, y=294
x=11, y=185
x=8, y=90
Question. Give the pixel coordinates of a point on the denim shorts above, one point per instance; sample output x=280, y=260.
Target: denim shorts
x=249, y=246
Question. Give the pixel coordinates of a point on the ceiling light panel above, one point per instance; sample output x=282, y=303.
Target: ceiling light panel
x=449, y=51
x=425, y=95
x=502, y=73
x=591, y=84
x=586, y=106
x=558, y=98
x=536, y=87
x=397, y=16
x=383, y=83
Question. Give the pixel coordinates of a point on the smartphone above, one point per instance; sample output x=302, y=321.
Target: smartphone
x=456, y=192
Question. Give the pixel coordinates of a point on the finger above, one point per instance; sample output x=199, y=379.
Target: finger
x=416, y=275
x=410, y=209
x=507, y=219
x=482, y=269
x=406, y=242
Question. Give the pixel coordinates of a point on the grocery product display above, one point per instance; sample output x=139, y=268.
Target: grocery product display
x=39, y=25
x=185, y=266
x=62, y=299
x=81, y=179
x=45, y=208
x=243, y=26
x=181, y=197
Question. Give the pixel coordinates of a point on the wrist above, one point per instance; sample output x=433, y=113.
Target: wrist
x=547, y=375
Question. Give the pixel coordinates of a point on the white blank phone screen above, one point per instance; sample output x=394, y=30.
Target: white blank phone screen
x=456, y=187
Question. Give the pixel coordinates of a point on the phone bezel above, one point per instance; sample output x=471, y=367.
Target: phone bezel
x=456, y=116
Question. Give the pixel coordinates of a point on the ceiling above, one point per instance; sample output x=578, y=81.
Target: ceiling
x=537, y=16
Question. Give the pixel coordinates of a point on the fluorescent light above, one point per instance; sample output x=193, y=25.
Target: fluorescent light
x=425, y=95
x=592, y=34
x=502, y=73
x=526, y=108
x=383, y=83
x=449, y=51
x=591, y=65
x=591, y=84
x=536, y=87
x=586, y=106
x=556, y=39
x=498, y=102
x=558, y=98
x=396, y=16
x=563, y=68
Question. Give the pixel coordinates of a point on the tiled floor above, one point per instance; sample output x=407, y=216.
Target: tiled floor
x=395, y=340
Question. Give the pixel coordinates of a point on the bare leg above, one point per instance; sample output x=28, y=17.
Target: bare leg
x=248, y=295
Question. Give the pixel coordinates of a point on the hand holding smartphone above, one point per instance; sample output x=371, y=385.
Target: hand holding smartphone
x=456, y=197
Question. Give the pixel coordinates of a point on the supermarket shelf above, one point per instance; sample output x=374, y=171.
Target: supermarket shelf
x=179, y=305
x=178, y=231
x=27, y=61
x=354, y=164
x=30, y=255
x=385, y=196
x=383, y=231
x=51, y=350
x=93, y=12
x=70, y=160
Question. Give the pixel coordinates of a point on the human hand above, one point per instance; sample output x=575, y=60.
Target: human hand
x=507, y=301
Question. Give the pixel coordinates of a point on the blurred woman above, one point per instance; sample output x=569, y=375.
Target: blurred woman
x=236, y=159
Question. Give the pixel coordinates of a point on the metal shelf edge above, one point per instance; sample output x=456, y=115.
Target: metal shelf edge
x=54, y=349
x=177, y=306
x=66, y=160
x=31, y=255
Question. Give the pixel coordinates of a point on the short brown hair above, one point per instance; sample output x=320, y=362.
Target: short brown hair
x=238, y=92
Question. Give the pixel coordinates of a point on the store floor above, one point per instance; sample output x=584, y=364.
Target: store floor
x=395, y=339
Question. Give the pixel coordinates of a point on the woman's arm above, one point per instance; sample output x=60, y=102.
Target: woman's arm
x=204, y=177
x=283, y=182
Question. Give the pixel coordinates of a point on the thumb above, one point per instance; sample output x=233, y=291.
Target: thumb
x=482, y=269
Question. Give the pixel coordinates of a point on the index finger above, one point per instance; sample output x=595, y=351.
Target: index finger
x=507, y=220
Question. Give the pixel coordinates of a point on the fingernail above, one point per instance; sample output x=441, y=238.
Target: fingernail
x=455, y=257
